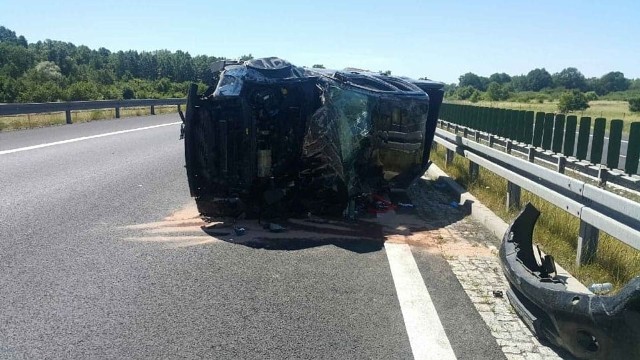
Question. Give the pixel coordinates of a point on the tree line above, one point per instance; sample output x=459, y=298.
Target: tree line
x=570, y=87
x=501, y=86
x=53, y=70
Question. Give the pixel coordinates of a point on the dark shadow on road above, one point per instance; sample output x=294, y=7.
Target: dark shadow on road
x=416, y=217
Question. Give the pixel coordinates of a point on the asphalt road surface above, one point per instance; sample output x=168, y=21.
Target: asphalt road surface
x=99, y=259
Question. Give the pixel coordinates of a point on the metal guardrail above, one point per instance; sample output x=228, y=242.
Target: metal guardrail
x=68, y=106
x=596, y=208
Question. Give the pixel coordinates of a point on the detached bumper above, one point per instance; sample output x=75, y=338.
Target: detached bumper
x=587, y=325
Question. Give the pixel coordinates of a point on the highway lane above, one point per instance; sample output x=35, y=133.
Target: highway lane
x=80, y=278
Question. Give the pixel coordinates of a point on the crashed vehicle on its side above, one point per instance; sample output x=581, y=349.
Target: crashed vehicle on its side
x=272, y=138
x=588, y=325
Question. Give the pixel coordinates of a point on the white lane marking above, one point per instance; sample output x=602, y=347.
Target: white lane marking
x=11, y=151
x=426, y=334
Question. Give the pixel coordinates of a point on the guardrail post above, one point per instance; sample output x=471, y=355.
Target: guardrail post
x=513, y=196
x=474, y=171
x=587, y=243
x=603, y=176
x=562, y=164
x=531, y=154
x=67, y=114
x=117, y=113
x=509, y=146
x=449, y=157
x=153, y=110
x=476, y=136
x=491, y=140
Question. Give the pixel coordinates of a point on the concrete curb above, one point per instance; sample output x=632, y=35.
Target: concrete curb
x=477, y=210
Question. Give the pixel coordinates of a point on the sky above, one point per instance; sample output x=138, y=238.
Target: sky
x=440, y=40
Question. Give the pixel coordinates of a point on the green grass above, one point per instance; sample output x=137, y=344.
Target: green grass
x=31, y=121
x=556, y=231
x=598, y=108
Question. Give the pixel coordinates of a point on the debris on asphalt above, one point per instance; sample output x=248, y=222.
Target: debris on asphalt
x=239, y=230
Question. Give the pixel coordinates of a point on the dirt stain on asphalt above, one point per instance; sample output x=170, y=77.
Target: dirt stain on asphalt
x=182, y=228
x=185, y=228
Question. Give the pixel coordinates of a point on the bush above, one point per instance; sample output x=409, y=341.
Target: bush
x=591, y=96
x=634, y=104
x=127, y=93
x=475, y=97
x=571, y=101
x=496, y=92
x=465, y=92
x=83, y=91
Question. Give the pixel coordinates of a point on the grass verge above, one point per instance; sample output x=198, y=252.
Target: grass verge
x=31, y=121
x=556, y=231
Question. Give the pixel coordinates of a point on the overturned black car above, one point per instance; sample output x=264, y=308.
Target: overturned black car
x=273, y=138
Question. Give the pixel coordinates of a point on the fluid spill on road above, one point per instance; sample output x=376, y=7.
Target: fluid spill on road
x=182, y=228
x=185, y=228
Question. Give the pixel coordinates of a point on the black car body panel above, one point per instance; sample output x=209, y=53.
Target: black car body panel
x=271, y=137
x=587, y=325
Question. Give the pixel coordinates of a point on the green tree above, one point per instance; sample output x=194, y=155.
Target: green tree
x=497, y=92
x=7, y=35
x=464, y=92
x=475, y=97
x=538, y=79
x=82, y=91
x=15, y=60
x=591, y=95
x=9, y=89
x=127, y=93
x=518, y=83
x=473, y=80
x=573, y=100
x=500, y=78
x=612, y=81
x=570, y=78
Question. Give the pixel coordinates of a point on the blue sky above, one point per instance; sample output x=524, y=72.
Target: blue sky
x=438, y=39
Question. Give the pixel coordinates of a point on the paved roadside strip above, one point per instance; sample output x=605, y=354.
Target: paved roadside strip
x=480, y=274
